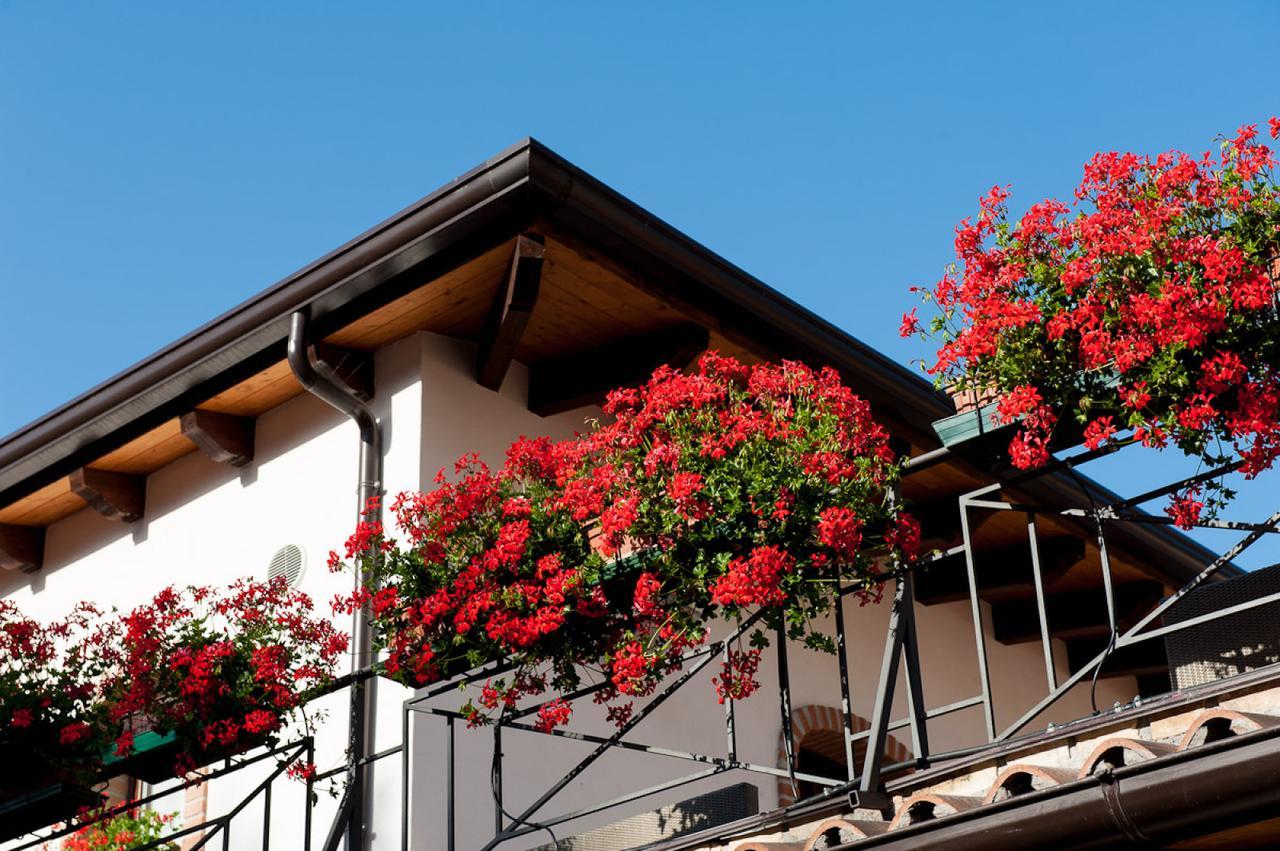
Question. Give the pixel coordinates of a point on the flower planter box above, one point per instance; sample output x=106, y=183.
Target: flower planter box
x=153, y=759
x=155, y=756
x=973, y=428
x=976, y=432
x=45, y=806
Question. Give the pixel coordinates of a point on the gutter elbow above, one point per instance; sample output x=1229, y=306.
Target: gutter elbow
x=299, y=361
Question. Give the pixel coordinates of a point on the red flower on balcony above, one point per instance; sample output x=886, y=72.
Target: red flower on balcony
x=711, y=494
x=1150, y=309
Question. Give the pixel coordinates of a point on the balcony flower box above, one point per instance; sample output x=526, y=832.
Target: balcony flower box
x=977, y=432
x=1166, y=272
x=153, y=758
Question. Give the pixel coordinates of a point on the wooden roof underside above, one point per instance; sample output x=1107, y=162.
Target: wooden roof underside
x=582, y=306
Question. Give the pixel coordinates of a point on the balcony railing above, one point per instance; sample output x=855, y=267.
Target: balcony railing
x=862, y=784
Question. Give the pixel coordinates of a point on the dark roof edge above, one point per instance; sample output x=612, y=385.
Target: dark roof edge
x=699, y=266
x=258, y=322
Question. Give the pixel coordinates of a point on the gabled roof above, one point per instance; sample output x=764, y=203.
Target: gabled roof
x=522, y=185
x=436, y=265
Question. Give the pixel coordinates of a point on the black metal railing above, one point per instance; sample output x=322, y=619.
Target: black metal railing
x=218, y=827
x=863, y=783
x=1100, y=517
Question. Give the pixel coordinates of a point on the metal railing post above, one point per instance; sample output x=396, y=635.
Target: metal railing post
x=846, y=704
x=975, y=610
x=916, y=709
x=874, y=755
x=1046, y=643
x=450, y=801
x=784, y=705
x=730, y=725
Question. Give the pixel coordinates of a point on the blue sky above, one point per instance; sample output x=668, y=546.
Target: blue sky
x=161, y=162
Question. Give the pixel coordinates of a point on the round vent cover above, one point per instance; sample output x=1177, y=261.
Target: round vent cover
x=288, y=562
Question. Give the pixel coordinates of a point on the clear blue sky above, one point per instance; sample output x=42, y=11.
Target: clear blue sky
x=157, y=166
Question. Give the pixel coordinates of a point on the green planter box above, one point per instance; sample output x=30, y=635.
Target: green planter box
x=153, y=758
x=42, y=807
x=972, y=428
x=979, y=436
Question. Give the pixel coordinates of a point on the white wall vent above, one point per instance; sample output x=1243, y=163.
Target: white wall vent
x=290, y=562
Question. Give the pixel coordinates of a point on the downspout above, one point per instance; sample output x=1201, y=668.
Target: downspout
x=319, y=380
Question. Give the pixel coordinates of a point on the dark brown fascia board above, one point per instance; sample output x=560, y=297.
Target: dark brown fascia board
x=458, y=222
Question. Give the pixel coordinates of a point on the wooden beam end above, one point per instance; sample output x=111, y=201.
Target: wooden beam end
x=226, y=438
x=118, y=496
x=21, y=547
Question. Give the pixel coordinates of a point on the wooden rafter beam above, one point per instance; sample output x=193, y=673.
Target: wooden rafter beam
x=563, y=384
x=21, y=547
x=352, y=367
x=1002, y=573
x=510, y=313
x=226, y=438
x=118, y=496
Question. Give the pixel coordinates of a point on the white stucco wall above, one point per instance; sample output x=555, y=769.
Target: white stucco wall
x=207, y=523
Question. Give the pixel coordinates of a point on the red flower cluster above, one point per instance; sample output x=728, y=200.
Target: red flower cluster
x=737, y=679
x=53, y=715
x=222, y=670
x=734, y=487
x=1152, y=308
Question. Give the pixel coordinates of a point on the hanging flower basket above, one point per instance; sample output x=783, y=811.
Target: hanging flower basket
x=1149, y=316
x=193, y=676
x=205, y=675
x=718, y=494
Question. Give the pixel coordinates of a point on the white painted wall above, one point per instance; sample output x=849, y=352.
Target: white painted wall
x=208, y=524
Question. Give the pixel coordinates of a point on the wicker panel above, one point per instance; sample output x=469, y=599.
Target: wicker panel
x=1227, y=646
x=708, y=810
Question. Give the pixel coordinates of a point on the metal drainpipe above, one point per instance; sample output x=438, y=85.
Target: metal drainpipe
x=319, y=380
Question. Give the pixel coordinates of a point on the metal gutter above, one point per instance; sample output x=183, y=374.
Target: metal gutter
x=252, y=335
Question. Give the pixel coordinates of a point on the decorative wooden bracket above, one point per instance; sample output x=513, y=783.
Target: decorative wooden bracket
x=119, y=496
x=21, y=547
x=352, y=366
x=510, y=313
x=226, y=438
x=562, y=384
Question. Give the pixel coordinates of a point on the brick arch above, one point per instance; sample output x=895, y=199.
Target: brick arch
x=819, y=728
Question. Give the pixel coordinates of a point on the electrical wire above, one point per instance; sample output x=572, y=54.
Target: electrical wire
x=1115, y=635
x=516, y=821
